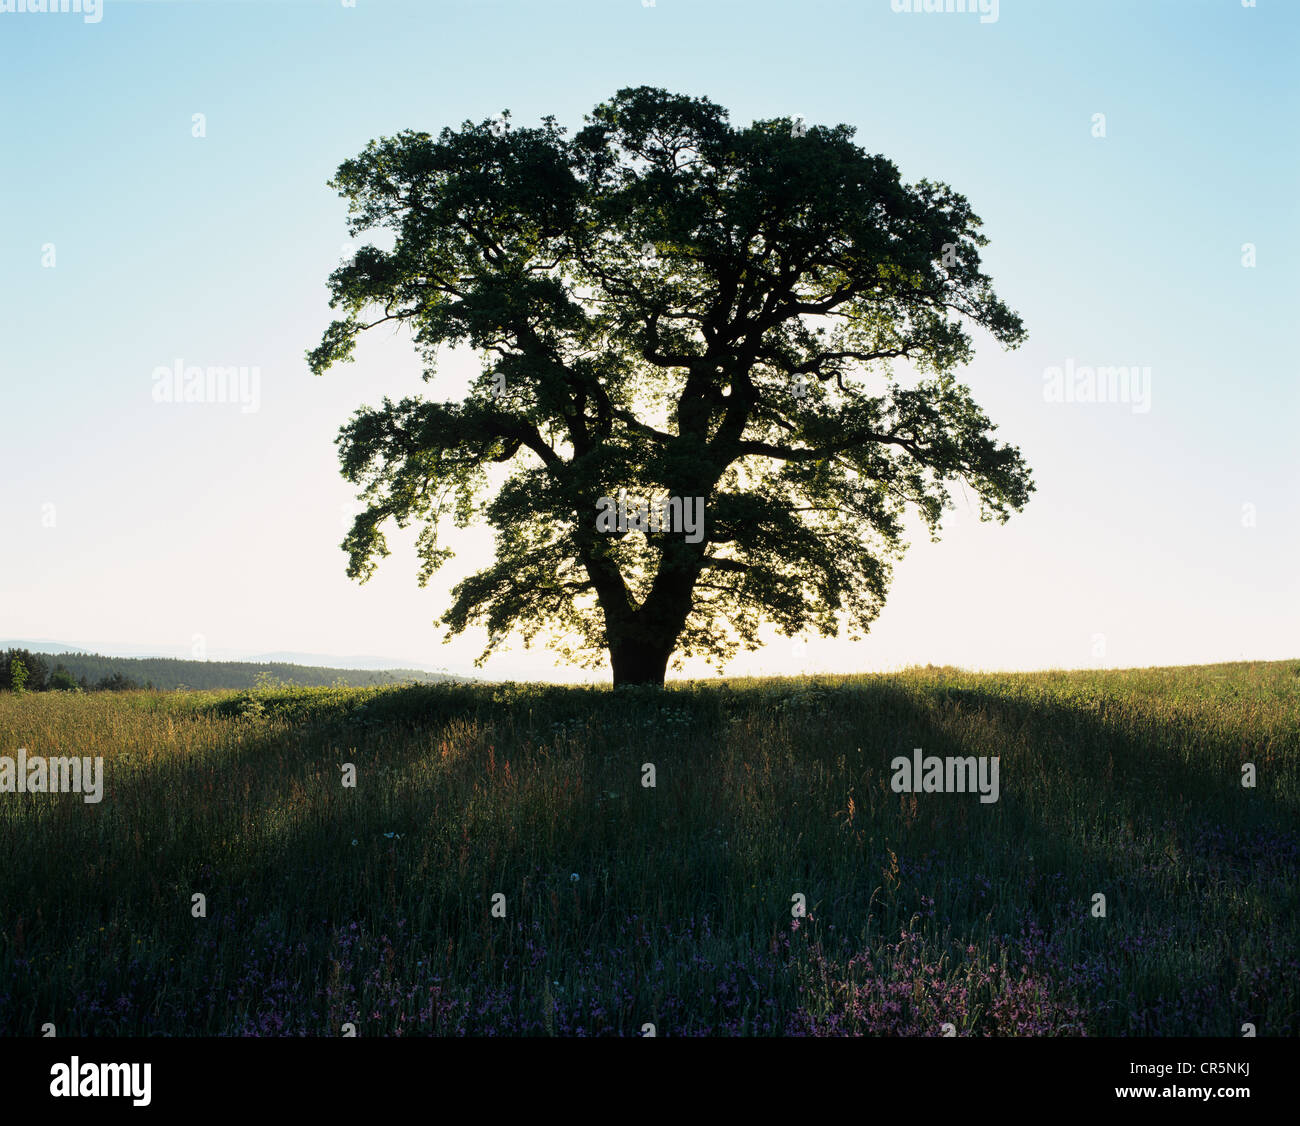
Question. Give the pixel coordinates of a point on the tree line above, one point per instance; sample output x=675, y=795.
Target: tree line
x=24, y=671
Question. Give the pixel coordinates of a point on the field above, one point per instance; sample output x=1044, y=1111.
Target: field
x=674, y=904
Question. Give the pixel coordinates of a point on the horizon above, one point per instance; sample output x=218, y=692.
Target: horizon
x=337, y=663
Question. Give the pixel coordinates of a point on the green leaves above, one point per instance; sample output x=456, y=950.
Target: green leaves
x=674, y=306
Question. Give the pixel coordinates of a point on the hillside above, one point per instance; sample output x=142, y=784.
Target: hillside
x=168, y=673
x=718, y=858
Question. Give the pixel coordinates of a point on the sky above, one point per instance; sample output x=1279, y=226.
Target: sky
x=1160, y=237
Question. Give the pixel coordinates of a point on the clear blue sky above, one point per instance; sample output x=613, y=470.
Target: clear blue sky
x=132, y=522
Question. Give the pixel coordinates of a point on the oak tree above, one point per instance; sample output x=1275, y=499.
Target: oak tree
x=667, y=306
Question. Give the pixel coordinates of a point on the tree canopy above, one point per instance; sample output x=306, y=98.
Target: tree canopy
x=667, y=306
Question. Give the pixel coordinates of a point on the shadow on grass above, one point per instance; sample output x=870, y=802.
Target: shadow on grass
x=429, y=857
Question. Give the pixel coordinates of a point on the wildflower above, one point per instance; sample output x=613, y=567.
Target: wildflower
x=574, y=877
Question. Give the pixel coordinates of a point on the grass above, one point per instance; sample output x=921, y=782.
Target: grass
x=627, y=905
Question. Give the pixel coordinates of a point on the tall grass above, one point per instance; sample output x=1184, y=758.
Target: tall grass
x=627, y=905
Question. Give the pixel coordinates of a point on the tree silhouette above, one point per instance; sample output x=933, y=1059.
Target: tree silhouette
x=667, y=307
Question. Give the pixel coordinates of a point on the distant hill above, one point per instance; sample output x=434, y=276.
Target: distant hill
x=185, y=653
x=166, y=673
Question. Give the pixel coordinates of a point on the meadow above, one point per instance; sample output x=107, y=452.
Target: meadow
x=670, y=905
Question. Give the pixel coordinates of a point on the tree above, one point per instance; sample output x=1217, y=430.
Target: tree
x=116, y=682
x=22, y=670
x=667, y=307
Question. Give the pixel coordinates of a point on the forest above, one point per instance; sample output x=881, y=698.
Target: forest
x=25, y=671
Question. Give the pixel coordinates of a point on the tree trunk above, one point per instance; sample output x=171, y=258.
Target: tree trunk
x=640, y=662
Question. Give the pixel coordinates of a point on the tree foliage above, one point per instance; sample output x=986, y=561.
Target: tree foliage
x=676, y=307
x=22, y=670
